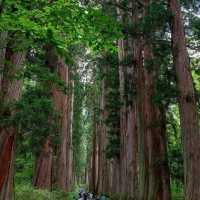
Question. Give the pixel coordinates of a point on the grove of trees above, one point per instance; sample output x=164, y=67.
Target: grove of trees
x=101, y=94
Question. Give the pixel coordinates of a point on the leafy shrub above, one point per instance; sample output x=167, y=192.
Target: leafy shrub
x=24, y=192
x=177, y=191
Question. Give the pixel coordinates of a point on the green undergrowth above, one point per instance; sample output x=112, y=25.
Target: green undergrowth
x=177, y=194
x=177, y=191
x=24, y=192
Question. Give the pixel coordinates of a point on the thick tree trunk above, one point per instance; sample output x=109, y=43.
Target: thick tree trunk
x=158, y=186
x=154, y=175
x=132, y=154
x=64, y=105
x=187, y=104
x=65, y=153
x=128, y=127
x=143, y=164
x=115, y=177
x=10, y=92
x=102, y=142
x=7, y=166
x=44, y=166
x=128, y=120
x=153, y=171
x=123, y=121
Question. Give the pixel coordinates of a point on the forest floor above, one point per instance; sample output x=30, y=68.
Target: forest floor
x=26, y=191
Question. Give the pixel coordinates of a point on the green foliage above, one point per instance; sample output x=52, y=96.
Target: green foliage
x=72, y=29
x=111, y=76
x=24, y=192
x=177, y=191
x=156, y=18
x=61, y=23
x=166, y=91
x=175, y=151
x=36, y=116
x=24, y=164
x=78, y=129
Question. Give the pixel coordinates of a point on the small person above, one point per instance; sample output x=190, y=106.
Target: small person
x=91, y=196
x=85, y=196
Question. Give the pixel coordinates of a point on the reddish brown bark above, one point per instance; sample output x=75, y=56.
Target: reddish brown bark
x=5, y=158
x=3, y=43
x=187, y=104
x=154, y=180
x=102, y=163
x=63, y=102
x=65, y=155
x=153, y=171
x=114, y=176
x=128, y=126
x=64, y=105
x=10, y=92
x=43, y=170
x=155, y=136
x=94, y=158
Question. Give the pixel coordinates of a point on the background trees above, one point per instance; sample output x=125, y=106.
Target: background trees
x=100, y=93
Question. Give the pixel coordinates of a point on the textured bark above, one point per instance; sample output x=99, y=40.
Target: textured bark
x=7, y=192
x=115, y=177
x=123, y=121
x=10, y=92
x=94, y=159
x=158, y=187
x=65, y=152
x=102, y=142
x=154, y=174
x=153, y=171
x=3, y=43
x=63, y=104
x=6, y=159
x=143, y=164
x=44, y=166
x=128, y=127
x=187, y=104
x=132, y=154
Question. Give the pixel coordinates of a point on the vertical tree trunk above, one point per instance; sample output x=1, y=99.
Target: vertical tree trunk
x=122, y=44
x=43, y=170
x=63, y=102
x=64, y=105
x=94, y=158
x=10, y=92
x=3, y=43
x=132, y=154
x=102, y=141
x=153, y=171
x=128, y=121
x=154, y=174
x=115, y=177
x=128, y=127
x=187, y=104
x=158, y=186
x=6, y=169
x=143, y=151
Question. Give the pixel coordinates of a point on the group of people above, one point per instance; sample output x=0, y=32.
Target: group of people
x=83, y=195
